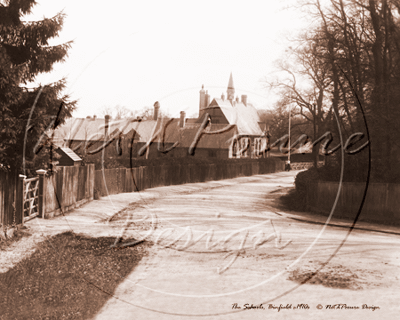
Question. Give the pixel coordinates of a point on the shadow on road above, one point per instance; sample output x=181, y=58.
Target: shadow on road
x=67, y=277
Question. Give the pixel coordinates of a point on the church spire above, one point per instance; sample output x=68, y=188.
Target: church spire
x=231, y=89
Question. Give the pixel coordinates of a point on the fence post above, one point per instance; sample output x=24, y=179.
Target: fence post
x=42, y=192
x=20, y=197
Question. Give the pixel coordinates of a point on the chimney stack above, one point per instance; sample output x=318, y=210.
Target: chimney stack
x=94, y=117
x=244, y=99
x=182, y=119
x=223, y=96
x=107, y=123
x=156, y=110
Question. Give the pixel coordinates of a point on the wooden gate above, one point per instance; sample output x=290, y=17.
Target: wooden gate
x=31, y=198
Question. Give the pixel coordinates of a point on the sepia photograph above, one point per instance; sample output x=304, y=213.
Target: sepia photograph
x=200, y=159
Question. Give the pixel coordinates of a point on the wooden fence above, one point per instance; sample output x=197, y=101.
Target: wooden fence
x=382, y=201
x=68, y=188
x=10, y=199
x=113, y=181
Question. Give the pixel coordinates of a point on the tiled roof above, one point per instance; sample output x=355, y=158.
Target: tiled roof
x=82, y=129
x=245, y=117
x=144, y=129
x=191, y=120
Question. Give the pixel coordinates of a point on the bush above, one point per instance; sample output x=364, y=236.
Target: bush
x=355, y=170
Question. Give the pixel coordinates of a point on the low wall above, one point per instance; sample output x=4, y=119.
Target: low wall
x=113, y=181
x=304, y=165
x=382, y=201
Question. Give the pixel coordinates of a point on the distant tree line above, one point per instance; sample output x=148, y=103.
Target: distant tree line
x=121, y=112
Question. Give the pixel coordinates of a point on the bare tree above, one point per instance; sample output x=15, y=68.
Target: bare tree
x=117, y=112
x=106, y=110
x=347, y=65
x=304, y=84
x=121, y=112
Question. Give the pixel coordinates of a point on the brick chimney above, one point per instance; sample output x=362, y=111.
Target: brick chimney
x=156, y=110
x=182, y=119
x=223, y=96
x=107, y=124
x=244, y=99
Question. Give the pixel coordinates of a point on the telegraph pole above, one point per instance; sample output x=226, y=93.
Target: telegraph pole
x=290, y=111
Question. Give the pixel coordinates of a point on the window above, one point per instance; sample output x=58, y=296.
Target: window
x=235, y=149
x=245, y=145
x=258, y=144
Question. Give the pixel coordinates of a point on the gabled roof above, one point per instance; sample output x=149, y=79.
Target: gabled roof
x=245, y=117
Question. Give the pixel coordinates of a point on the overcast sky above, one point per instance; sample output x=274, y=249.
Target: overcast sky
x=133, y=53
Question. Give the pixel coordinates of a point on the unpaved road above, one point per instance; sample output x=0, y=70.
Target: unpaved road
x=263, y=258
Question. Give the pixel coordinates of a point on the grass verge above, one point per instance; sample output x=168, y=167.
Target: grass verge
x=293, y=201
x=18, y=235
x=67, y=277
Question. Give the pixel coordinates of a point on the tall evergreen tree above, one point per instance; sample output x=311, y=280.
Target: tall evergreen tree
x=26, y=114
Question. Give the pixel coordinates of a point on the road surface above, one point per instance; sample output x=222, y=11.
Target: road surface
x=226, y=251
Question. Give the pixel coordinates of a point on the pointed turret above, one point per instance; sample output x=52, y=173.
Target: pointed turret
x=231, y=89
x=202, y=103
